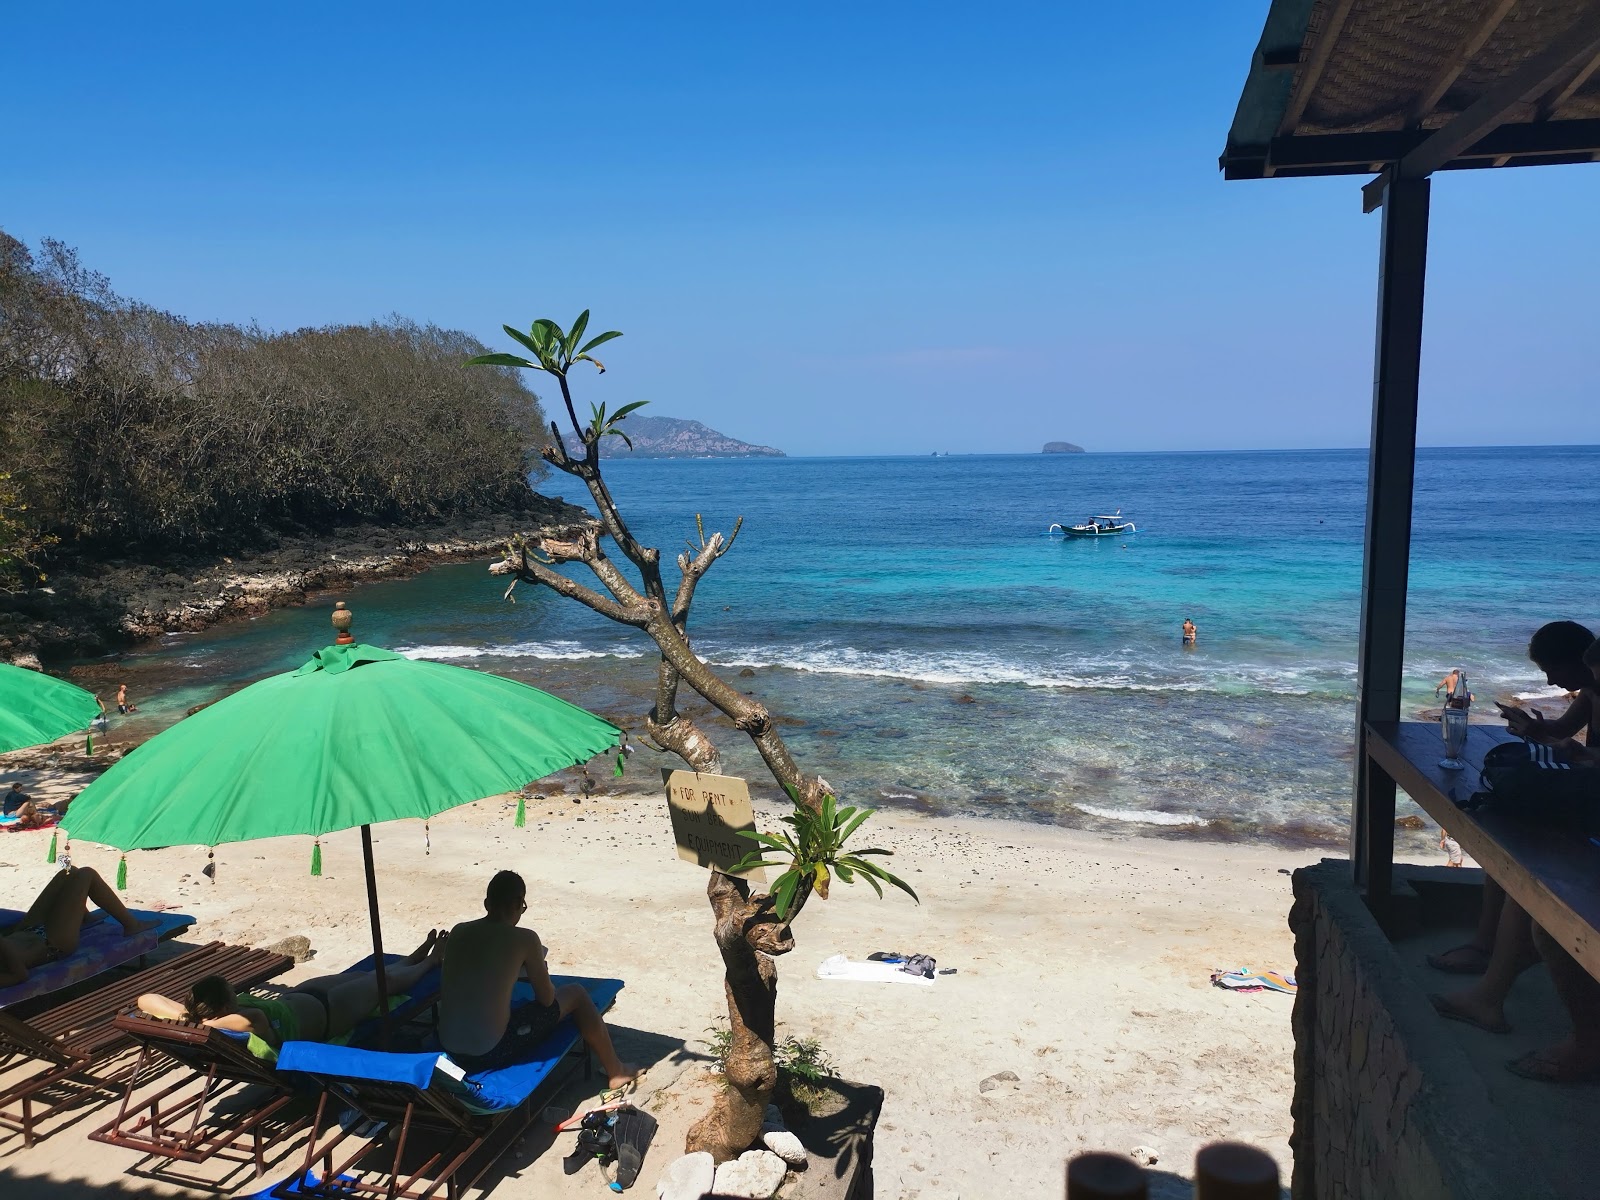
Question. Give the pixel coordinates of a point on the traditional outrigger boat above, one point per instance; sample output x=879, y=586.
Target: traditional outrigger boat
x=1101, y=526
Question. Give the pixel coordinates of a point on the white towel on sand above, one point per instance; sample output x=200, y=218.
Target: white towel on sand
x=840, y=967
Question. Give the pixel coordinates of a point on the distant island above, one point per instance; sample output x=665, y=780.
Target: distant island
x=1063, y=448
x=670, y=437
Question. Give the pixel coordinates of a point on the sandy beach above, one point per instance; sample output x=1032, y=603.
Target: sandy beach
x=1082, y=966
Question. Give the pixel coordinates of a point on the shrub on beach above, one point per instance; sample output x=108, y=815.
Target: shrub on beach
x=131, y=428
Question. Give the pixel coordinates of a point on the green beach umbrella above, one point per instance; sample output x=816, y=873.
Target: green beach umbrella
x=36, y=708
x=356, y=736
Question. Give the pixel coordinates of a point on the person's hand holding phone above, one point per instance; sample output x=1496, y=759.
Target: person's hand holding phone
x=1520, y=721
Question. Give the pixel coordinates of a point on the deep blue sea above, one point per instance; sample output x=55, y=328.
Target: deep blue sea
x=927, y=643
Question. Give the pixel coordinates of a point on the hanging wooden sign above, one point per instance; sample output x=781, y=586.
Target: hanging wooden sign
x=707, y=813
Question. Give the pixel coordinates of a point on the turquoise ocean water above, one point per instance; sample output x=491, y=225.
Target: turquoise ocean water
x=926, y=643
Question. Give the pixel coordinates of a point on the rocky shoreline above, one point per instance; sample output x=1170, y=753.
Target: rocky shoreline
x=93, y=609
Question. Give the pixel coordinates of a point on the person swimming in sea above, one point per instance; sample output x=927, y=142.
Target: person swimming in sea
x=1189, y=632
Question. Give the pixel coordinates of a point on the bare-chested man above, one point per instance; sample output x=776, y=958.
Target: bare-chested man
x=482, y=962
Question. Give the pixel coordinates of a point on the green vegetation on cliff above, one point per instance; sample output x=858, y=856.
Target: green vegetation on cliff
x=131, y=431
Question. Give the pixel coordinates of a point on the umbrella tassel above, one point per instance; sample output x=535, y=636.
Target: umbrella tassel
x=51, y=857
x=427, y=839
x=210, y=871
x=522, y=810
x=621, y=759
x=316, y=857
x=122, y=873
x=88, y=745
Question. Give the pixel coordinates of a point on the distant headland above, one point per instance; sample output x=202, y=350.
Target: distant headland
x=670, y=437
x=1063, y=448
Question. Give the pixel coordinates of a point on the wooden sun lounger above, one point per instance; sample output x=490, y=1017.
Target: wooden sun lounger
x=79, y=1045
x=102, y=946
x=182, y=1122
x=445, y=1133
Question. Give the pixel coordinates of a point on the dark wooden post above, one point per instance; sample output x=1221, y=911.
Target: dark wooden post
x=1391, y=471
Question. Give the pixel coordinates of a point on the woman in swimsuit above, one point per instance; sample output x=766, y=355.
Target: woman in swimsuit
x=50, y=928
x=318, y=1010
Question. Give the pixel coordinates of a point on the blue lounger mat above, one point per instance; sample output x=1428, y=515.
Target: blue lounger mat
x=101, y=946
x=485, y=1092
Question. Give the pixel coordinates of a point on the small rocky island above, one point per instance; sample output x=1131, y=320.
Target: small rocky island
x=670, y=437
x=1063, y=448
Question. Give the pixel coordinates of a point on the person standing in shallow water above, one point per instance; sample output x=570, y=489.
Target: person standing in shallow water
x=1189, y=632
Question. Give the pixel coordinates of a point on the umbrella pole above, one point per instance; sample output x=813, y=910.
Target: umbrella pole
x=377, y=938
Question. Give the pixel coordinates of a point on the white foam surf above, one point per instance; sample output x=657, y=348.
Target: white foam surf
x=967, y=669
x=551, y=651
x=1140, y=816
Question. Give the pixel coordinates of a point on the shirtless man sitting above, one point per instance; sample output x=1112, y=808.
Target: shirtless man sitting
x=483, y=960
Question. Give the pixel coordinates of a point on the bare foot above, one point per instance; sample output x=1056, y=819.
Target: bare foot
x=426, y=949
x=132, y=927
x=623, y=1078
x=1462, y=960
x=1563, y=1063
x=1470, y=1009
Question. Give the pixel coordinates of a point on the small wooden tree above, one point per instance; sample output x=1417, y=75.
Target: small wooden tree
x=751, y=928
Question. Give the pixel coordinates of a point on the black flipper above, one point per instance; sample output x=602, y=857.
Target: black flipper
x=633, y=1131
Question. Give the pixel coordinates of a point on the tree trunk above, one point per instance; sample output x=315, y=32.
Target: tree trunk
x=751, y=983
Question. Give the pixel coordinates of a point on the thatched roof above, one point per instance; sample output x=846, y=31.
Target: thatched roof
x=1348, y=86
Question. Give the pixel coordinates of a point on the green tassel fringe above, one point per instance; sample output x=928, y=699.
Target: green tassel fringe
x=522, y=810
x=51, y=857
x=88, y=745
x=621, y=758
x=122, y=873
x=316, y=858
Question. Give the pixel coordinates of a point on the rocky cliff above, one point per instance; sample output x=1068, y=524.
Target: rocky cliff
x=670, y=437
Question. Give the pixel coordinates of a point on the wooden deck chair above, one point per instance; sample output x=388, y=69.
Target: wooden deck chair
x=446, y=1128
x=208, y=1111
x=72, y=1051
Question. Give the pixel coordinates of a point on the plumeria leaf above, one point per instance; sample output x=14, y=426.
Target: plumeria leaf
x=502, y=360
x=599, y=341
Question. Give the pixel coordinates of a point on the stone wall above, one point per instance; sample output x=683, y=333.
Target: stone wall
x=1385, y=1102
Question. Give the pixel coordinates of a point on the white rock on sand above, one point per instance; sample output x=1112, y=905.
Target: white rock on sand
x=754, y=1175
x=689, y=1178
x=777, y=1138
x=1084, y=970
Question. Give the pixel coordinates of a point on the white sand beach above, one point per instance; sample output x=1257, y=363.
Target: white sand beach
x=1082, y=966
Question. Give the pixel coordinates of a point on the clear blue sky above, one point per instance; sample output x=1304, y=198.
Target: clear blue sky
x=870, y=228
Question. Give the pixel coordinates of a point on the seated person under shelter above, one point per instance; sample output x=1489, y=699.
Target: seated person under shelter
x=318, y=1010
x=1576, y=1059
x=482, y=962
x=50, y=928
x=1502, y=948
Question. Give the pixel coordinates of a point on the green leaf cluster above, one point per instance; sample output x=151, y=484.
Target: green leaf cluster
x=553, y=350
x=813, y=853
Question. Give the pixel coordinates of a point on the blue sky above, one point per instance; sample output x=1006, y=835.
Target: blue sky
x=884, y=228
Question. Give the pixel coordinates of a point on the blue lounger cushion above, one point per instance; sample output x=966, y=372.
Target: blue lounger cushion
x=101, y=946
x=485, y=1092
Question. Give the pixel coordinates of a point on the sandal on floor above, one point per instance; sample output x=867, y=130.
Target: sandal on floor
x=1542, y=1070
x=1444, y=961
x=1447, y=1009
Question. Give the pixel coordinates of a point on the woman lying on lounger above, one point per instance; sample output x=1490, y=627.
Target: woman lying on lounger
x=51, y=926
x=318, y=1010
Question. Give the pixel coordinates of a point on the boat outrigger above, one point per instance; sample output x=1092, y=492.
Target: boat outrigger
x=1101, y=526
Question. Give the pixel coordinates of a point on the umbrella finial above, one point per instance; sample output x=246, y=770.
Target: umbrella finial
x=341, y=624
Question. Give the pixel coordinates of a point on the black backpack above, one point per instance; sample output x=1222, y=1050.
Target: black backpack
x=1540, y=785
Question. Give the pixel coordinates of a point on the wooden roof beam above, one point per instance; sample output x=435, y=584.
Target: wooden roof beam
x=1534, y=78
x=1559, y=95
x=1452, y=67
x=1311, y=71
